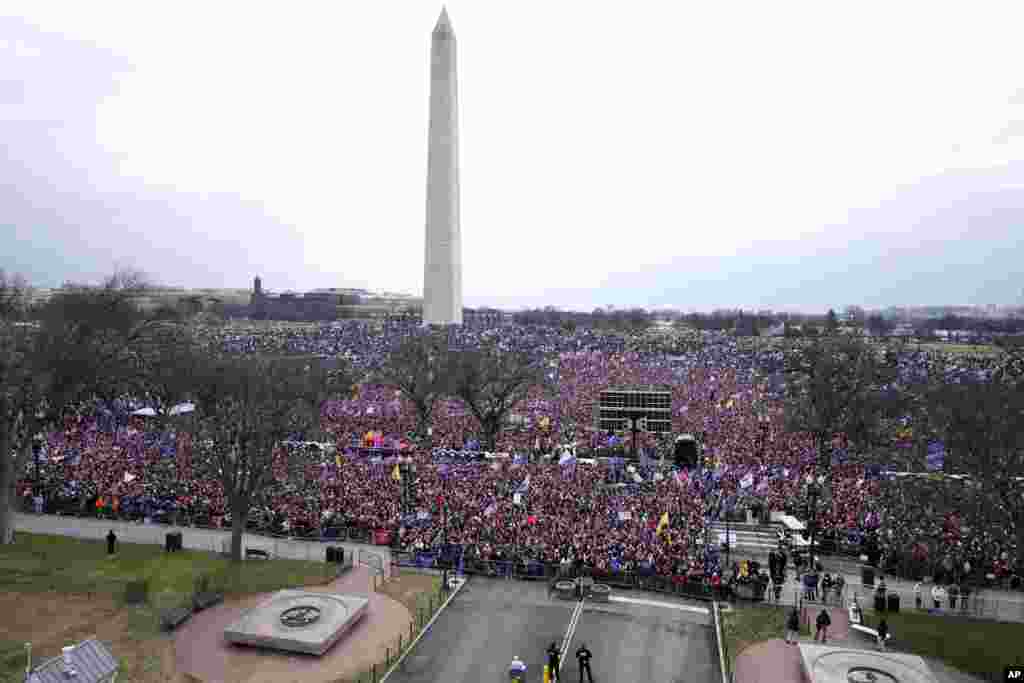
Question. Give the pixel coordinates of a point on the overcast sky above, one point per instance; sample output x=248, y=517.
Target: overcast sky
x=793, y=155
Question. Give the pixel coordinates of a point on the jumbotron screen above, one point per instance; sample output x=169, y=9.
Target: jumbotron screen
x=616, y=406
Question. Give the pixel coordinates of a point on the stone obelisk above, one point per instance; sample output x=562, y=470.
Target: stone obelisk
x=442, y=272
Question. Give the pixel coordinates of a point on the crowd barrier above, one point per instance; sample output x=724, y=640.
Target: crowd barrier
x=533, y=570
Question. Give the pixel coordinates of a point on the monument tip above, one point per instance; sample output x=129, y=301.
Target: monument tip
x=444, y=25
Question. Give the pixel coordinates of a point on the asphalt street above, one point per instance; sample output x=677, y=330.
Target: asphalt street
x=491, y=621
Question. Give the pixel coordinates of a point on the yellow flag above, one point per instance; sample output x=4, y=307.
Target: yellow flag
x=337, y=460
x=396, y=474
x=663, y=524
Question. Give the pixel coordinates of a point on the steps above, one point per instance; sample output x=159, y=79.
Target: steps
x=753, y=541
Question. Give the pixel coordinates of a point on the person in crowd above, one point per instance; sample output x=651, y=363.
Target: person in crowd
x=938, y=595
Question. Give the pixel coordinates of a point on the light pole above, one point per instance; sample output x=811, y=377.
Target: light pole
x=813, y=491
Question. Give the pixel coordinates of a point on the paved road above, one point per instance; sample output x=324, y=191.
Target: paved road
x=211, y=540
x=491, y=621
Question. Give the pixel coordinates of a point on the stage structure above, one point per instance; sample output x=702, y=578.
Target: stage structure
x=618, y=408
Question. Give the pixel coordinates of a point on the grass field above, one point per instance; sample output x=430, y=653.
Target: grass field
x=982, y=648
x=55, y=591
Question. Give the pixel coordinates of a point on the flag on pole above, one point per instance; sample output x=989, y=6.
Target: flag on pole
x=747, y=481
x=396, y=474
x=662, y=524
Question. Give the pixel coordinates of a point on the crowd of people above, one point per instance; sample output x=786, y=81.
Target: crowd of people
x=108, y=461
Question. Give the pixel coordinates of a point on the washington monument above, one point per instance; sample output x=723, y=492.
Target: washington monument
x=442, y=269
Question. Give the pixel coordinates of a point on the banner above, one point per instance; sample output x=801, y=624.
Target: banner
x=936, y=458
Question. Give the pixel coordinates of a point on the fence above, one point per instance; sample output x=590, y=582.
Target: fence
x=538, y=571
x=990, y=605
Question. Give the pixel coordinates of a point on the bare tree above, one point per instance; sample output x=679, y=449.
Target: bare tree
x=244, y=410
x=982, y=423
x=491, y=382
x=15, y=296
x=79, y=348
x=416, y=368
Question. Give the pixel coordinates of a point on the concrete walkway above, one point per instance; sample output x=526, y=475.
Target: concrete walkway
x=987, y=603
x=212, y=540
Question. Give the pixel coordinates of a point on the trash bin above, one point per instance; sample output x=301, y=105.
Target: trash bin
x=172, y=542
x=894, y=602
x=879, y=603
x=867, y=575
x=331, y=554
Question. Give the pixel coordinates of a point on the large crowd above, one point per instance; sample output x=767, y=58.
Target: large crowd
x=108, y=461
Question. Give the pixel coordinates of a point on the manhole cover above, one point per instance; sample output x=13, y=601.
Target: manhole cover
x=299, y=616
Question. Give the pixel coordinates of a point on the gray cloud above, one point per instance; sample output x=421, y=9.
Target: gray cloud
x=69, y=214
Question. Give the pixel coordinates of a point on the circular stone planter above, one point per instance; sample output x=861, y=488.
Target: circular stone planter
x=599, y=592
x=566, y=590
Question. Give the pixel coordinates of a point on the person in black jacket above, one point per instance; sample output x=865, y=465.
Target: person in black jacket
x=553, y=661
x=792, y=627
x=823, y=622
x=583, y=656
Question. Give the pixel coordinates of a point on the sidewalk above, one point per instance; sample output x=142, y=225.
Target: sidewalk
x=986, y=603
x=211, y=540
x=776, y=661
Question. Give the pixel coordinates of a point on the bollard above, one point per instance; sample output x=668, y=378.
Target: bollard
x=399, y=643
x=431, y=604
x=387, y=657
x=373, y=673
x=410, y=633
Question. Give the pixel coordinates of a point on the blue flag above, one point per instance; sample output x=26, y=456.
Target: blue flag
x=936, y=457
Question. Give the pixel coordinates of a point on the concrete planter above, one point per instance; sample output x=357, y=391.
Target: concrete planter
x=566, y=590
x=599, y=592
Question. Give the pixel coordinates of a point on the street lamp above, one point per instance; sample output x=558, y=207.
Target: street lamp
x=813, y=487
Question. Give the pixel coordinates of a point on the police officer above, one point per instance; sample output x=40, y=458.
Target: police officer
x=583, y=656
x=553, y=661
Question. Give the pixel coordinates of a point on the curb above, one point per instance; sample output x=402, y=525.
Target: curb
x=459, y=583
x=718, y=638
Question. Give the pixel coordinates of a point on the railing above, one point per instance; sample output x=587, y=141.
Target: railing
x=532, y=570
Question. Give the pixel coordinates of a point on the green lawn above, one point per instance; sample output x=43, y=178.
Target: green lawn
x=71, y=565
x=977, y=647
